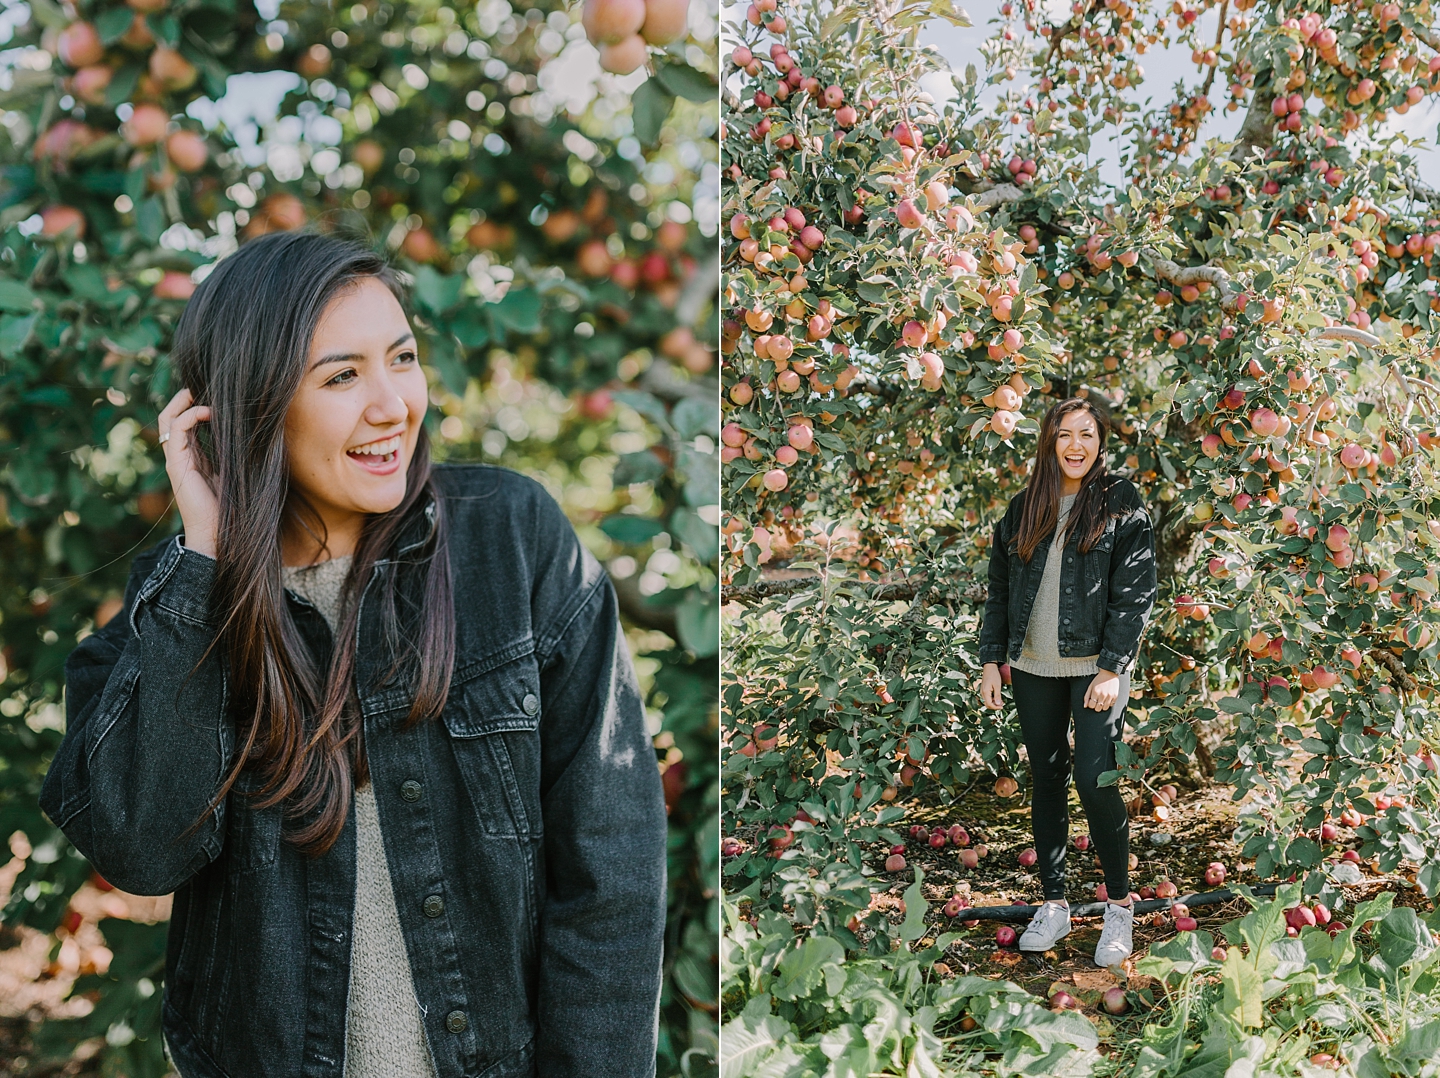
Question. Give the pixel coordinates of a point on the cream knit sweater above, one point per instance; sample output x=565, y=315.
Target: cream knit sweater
x=384, y=1035
x=1040, y=654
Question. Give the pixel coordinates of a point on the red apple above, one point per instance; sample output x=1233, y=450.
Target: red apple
x=1005, y=936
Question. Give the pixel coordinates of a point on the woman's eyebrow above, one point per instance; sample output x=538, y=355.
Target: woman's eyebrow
x=350, y=357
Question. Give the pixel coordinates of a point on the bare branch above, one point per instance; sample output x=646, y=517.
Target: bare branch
x=1390, y=662
x=987, y=197
x=1180, y=276
x=1258, y=130
x=1349, y=333
x=1427, y=35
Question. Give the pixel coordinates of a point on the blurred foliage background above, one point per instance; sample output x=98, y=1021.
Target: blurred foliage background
x=558, y=224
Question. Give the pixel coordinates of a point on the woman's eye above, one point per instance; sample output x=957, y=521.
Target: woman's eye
x=405, y=357
x=343, y=378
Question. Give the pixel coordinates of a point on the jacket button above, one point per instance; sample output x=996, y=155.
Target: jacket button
x=410, y=790
x=1069, y=590
x=531, y=703
x=433, y=906
x=1067, y=621
x=456, y=1022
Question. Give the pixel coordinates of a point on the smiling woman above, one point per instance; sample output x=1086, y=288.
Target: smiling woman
x=373, y=722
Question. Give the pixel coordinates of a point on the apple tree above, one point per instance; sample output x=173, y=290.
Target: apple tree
x=911, y=279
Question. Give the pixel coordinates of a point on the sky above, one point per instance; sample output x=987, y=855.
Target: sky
x=961, y=46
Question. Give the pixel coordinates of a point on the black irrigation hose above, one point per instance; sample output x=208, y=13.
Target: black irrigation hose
x=1021, y=914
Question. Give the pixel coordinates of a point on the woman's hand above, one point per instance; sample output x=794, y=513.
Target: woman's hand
x=1103, y=690
x=199, y=508
x=991, y=687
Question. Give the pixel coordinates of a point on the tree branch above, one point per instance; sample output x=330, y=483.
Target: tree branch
x=1258, y=130
x=1179, y=276
x=1388, y=660
x=988, y=196
x=1349, y=333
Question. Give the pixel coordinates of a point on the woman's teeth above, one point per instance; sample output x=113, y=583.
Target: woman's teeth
x=384, y=451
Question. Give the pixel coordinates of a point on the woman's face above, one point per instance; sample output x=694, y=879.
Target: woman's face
x=1077, y=444
x=351, y=428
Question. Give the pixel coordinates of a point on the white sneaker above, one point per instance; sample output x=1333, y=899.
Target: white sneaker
x=1050, y=923
x=1117, y=937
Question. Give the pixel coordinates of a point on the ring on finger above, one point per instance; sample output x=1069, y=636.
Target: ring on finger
x=163, y=438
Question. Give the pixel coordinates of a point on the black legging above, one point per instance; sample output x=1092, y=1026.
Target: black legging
x=1045, y=706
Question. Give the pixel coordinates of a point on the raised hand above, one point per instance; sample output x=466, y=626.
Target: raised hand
x=194, y=497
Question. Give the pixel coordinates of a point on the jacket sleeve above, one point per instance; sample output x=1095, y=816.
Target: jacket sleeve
x=995, y=626
x=146, y=741
x=603, y=918
x=1132, y=591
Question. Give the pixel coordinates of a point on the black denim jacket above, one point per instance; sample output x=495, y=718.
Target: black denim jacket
x=1105, y=594
x=531, y=809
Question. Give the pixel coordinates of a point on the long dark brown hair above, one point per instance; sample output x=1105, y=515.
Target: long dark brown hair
x=1041, y=509
x=242, y=347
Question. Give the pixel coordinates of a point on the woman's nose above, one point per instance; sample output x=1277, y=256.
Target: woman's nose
x=387, y=408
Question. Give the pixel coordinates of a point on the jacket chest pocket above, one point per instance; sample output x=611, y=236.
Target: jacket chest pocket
x=252, y=836
x=493, y=720
x=1093, y=580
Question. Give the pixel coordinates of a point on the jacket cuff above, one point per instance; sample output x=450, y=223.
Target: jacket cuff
x=179, y=584
x=1108, y=660
x=990, y=655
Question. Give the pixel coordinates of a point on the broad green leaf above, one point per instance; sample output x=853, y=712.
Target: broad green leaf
x=650, y=104
x=682, y=80
x=631, y=530
x=16, y=297
x=913, y=927
x=1244, y=1000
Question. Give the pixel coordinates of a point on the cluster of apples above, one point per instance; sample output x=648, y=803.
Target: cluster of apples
x=92, y=65
x=1298, y=918
x=1158, y=802
x=624, y=30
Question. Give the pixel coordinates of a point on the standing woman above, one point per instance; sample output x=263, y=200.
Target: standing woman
x=374, y=722
x=1072, y=580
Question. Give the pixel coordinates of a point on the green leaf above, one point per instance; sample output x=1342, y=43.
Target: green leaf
x=443, y=355
x=14, y=329
x=631, y=530
x=913, y=927
x=702, y=538
x=682, y=80
x=1402, y=938
x=694, y=416
x=15, y=297
x=112, y=24
x=641, y=467
x=122, y=86
x=802, y=970
x=519, y=310
x=436, y=291
x=1244, y=998
x=697, y=619
x=150, y=218
x=649, y=105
